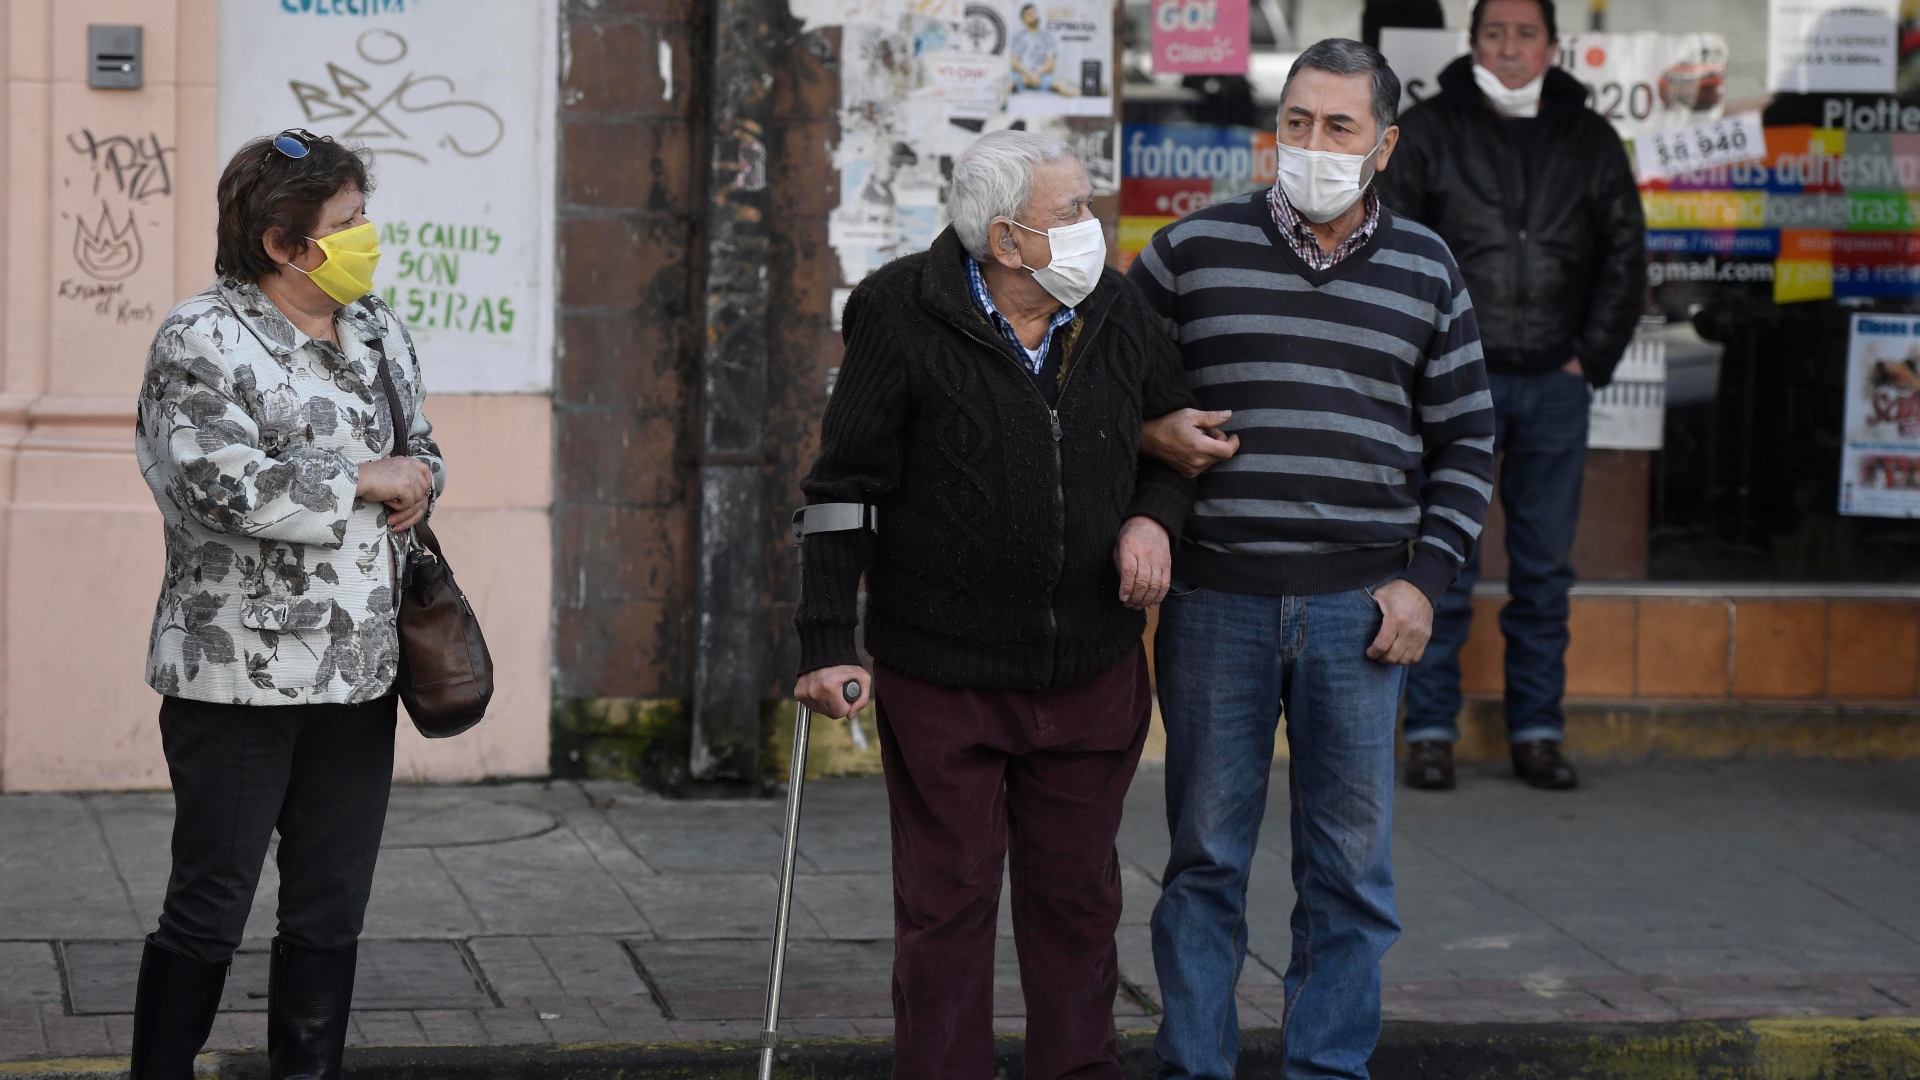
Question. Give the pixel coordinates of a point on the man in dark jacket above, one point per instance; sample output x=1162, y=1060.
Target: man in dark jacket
x=989, y=409
x=1533, y=192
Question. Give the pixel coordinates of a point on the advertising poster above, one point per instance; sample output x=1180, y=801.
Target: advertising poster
x=456, y=104
x=920, y=80
x=1827, y=213
x=1642, y=82
x=1814, y=46
x=1201, y=37
x=1880, y=459
x=1060, y=57
x=1171, y=170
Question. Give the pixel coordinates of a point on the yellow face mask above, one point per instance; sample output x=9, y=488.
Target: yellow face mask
x=347, y=275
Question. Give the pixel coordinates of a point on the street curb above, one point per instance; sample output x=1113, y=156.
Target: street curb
x=1885, y=1048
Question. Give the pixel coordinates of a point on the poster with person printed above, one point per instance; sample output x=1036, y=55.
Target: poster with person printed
x=1880, y=457
x=456, y=104
x=1060, y=56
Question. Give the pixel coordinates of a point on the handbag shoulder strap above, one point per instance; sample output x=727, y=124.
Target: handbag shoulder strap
x=402, y=425
x=397, y=413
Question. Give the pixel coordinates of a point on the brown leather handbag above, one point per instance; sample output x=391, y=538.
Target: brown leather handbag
x=446, y=673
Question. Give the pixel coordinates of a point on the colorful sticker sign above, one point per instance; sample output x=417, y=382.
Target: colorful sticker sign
x=1826, y=213
x=1171, y=170
x=1200, y=37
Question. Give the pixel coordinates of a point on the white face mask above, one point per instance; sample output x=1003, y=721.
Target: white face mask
x=1524, y=102
x=1079, y=254
x=1322, y=184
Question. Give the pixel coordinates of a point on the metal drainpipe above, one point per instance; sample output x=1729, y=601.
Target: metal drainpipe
x=733, y=398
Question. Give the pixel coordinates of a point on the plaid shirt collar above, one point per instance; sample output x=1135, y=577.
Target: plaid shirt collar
x=981, y=298
x=1299, y=235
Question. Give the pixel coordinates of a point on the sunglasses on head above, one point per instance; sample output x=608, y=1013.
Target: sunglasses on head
x=295, y=143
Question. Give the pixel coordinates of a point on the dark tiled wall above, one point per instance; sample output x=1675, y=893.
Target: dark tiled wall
x=633, y=165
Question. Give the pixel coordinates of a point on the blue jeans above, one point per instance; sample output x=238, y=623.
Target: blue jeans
x=1540, y=431
x=1228, y=663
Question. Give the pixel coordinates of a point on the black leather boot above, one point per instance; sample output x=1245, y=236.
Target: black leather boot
x=1540, y=764
x=1430, y=765
x=309, y=993
x=173, y=1012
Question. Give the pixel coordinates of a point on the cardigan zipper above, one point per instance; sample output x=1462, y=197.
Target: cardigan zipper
x=1059, y=477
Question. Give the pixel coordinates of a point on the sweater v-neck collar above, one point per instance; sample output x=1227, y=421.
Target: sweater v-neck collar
x=1284, y=250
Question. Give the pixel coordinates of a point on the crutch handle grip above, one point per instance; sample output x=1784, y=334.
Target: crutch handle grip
x=851, y=691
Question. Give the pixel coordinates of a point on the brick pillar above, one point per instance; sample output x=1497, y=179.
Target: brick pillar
x=632, y=208
x=631, y=144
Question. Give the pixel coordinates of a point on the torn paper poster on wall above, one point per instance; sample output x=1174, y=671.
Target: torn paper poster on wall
x=920, y=80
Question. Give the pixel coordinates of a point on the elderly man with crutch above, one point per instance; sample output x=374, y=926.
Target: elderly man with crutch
x=979, y=464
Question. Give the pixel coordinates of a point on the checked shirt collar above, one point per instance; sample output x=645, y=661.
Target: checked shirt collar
x=1036, y=361
x=1299, y=236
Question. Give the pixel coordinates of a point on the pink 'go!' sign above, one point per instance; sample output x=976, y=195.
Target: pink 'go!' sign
x=1200, y=37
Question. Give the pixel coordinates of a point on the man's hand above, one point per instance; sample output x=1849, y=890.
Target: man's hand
x=1573, y=367
x=1144, y=556
x=1405, y=626
x=821, y=690
x=1189, y=440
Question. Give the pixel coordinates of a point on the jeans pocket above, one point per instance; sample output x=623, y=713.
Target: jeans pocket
x=1180, y=590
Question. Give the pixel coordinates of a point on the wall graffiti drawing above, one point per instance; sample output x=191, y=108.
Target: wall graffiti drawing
x=455, y=105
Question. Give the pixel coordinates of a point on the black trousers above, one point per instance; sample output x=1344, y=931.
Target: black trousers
x=320, y=774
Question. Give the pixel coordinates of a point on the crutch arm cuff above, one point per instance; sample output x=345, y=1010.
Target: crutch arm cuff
x=834, y=517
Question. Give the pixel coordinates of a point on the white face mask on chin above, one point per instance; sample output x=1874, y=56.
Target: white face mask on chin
x=1079, y=253
x=1515, y=104
x=1322, y=184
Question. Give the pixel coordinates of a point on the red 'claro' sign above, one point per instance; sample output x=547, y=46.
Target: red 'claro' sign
x=1200, y=37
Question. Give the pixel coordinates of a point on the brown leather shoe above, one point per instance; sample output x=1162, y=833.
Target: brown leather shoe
x=1540, y=764
x=1430, y=765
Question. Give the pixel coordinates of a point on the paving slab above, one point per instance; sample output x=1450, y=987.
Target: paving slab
x=29, y=975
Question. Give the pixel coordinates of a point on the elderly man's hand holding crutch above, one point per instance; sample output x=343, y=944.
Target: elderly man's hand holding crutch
x=817, y=691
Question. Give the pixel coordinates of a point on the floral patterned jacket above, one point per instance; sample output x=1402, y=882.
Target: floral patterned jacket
x=279, y=583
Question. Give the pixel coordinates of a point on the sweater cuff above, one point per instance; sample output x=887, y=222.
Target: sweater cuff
x=825, y=645
x=1430, y=573
x=1167, y=503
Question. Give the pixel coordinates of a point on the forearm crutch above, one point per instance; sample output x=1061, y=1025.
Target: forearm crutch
x=820, y=517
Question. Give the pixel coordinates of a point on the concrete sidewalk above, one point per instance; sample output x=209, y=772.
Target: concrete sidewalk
x=532, y=914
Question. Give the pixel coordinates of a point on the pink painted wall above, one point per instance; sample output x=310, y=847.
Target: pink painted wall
x=80, y=548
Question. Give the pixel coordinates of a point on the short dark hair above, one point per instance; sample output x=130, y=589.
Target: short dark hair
x=1345, y=56
x=1546, y=13
x=264, y=191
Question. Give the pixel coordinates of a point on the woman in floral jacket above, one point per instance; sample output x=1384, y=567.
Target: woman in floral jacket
x=264, y=432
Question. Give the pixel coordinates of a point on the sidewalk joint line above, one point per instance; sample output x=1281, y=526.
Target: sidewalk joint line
x=113, y=860
x=452, y=879
x=653, y=988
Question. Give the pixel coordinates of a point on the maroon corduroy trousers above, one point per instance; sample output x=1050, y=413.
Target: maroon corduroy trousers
x=971, y=776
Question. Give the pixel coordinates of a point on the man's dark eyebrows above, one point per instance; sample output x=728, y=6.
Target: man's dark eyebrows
x=1300, y=110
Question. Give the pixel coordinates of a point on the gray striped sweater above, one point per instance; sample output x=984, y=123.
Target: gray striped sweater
x=1358, y=392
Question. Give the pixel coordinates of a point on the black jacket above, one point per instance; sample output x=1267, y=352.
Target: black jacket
x=1550, y=240
x=993, y=566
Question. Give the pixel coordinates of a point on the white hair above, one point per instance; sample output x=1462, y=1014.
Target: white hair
x=993, y=179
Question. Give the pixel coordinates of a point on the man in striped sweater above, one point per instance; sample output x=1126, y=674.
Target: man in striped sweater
x=1336, y=342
